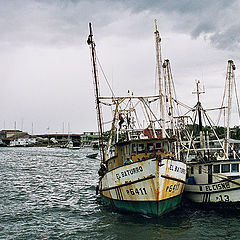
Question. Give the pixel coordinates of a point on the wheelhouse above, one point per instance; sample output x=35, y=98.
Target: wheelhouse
x=139, y=150
x=216, y=171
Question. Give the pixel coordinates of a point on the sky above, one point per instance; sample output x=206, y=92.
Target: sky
x=45, y=66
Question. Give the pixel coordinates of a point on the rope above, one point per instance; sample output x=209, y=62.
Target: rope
x=235, y=88
x=105, y=77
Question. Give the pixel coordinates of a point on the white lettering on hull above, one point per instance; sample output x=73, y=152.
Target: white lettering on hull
x=215, y=187
x=177, y=169
x=129, y=172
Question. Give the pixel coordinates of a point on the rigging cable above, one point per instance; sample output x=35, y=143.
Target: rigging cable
x=105, y=77
x=224, y=94
x=235, y=89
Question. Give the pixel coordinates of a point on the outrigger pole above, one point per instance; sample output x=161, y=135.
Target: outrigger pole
x=97, y=92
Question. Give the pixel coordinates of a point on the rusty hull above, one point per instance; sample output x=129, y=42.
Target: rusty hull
x=148, y=180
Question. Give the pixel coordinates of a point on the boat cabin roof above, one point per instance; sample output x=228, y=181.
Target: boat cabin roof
x=209, y=162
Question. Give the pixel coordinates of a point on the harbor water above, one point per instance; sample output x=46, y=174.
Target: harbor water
x=49, y=193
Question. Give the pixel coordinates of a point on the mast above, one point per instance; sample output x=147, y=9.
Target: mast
x=199, y=107
x=230, y=78
x=159, y=66
x=169, y=93
x=199, y=112
x=92, y=45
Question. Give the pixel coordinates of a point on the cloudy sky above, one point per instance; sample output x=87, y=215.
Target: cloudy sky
x=45, y=68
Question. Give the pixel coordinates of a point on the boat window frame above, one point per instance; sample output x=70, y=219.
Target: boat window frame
x=152, y=147
x=217, y=166
x=133, y=148
x=127, y=149
x=224, y=165
x=165, y=143
x=144, y=148
x=112, y=150
x=158, y=148
x=236, y=164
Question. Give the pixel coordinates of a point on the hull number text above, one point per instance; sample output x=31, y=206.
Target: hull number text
x=223, y=198
x=172, y=187
x=136, y=191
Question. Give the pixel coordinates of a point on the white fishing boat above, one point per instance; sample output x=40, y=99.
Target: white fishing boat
x=213, y=165
x=71, y=145
x=140, y=170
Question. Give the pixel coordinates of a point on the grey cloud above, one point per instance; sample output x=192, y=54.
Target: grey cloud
x=56, y=22
x=61, y=22
x=181, y=7
x=228, y=39
x=216, y=20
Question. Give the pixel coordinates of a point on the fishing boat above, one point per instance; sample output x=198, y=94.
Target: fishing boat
x=73, y=146
x=140, y=170
x=213, y=164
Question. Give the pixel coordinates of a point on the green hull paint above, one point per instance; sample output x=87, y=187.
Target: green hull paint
x=155, y=208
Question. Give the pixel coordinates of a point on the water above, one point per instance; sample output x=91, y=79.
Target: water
x=50, y=194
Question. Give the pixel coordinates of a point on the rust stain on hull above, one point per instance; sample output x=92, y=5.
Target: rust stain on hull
x=147, y=184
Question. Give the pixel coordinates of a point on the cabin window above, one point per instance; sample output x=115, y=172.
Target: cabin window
x=216, y=168
x=112, y=150
x=158, y=146
x=134, y=149
x=225, y=168
x=170, y=147
x=150, y=147
x=166, y=147
x=200, y=169
x=235, y=167
x=192, y=170
x=141, y=148
x=127, y=149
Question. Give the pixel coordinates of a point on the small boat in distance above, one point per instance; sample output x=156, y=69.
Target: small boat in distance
x=93, y=155
x=140, y=170
x=72, y=146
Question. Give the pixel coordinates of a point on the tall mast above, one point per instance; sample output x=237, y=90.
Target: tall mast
x=199, y=111
x=169, y=93
x=97, y=91
x=230, y=79
x=159, y=66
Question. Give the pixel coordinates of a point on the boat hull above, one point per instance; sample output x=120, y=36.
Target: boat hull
x=222, y=193
x=151, y=187
x=154, y=208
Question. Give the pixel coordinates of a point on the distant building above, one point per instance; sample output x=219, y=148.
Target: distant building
x=8, y=133
x=61, y=136
x=60, y=139
x=89, y=138
x=16, y=138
